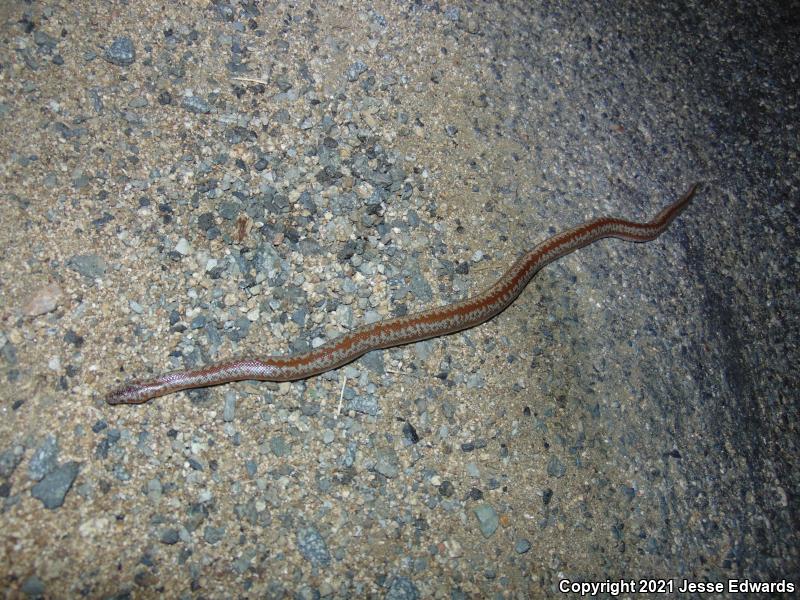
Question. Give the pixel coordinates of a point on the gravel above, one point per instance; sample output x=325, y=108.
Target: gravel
x=248, y=181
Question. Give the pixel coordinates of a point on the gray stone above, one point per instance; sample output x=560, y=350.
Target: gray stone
x=196, y=105
x=44, y=459
x=279, y=446
x=229, y=411
x=367, y=405
x=313, y=547
x=33, y=587
x=88, y=265
x=54, y=487
x=402, y=588
x=555, y=468
x=169, y=536
x=487, y=519
x=121, y=52
x=9, y=460
x=386, y=463
x=522, y=546
x=355, y=70
x=212, y=535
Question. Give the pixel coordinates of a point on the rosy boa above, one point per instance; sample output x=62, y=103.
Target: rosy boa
x=430, y=323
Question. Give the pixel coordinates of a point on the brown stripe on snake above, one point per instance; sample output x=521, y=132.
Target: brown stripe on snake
x=398, y=331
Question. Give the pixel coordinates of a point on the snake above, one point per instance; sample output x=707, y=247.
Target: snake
x=398, y=331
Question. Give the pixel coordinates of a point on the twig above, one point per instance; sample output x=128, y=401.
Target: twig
x=251, y=80
x=341, y=398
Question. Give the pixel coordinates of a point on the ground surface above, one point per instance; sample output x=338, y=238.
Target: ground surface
x=256, y=179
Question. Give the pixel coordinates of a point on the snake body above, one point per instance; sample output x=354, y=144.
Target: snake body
x=430, y=323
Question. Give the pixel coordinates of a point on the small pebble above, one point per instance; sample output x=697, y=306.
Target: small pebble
x=446, y=489
x=169, y=536
x=313, y=547
x=409, y=433
x=44, y=459
x=9, y=460
x=121, y=52
x=196, y=105
x=183, y=247
x=488, y=520
x=229, y=412
x=54, y=487
x=402, y=588
x=43, y=300
x=387, y=463
x=91, y=266
x=367, y=405
x=279, y=446
x=213, y=535
x=555, y=468
x=355, y=70
x=33, y=587
x=522, y=546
